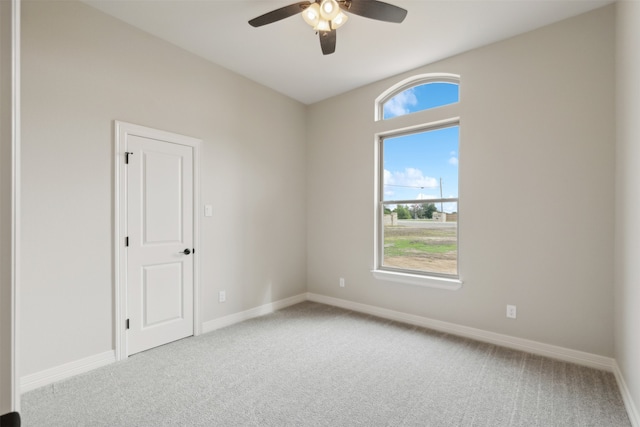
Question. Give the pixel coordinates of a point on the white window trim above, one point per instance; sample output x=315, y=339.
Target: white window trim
x=418, y=279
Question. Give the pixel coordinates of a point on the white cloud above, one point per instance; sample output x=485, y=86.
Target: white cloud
x=426, y=196
x=399, y=104
x=410, y=177
x=387, y=177
x=449, y=207
x=453, y=159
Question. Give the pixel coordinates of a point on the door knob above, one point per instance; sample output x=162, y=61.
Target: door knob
x=186, y=251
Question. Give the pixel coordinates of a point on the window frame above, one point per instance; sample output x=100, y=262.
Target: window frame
x=422, y=121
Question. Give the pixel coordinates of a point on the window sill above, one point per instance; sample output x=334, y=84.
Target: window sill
x=418, y=280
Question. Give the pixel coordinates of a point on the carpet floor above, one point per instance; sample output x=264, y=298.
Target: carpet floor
x=316, y=365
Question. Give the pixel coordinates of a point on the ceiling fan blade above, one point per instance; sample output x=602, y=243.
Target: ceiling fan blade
x=374, y=9
x=278, y=14
x=328, y=41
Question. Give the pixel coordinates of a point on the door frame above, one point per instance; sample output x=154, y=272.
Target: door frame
x=122, y=130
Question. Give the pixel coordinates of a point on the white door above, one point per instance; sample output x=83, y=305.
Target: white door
x=160, y=233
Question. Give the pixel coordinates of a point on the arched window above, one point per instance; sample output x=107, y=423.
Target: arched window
x=418, y=93
x=417, y=194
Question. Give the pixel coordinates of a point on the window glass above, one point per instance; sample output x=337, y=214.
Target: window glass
x=419, y=200
x=415, y=165
x=421, y=97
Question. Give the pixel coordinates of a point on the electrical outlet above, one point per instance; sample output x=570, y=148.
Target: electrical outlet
x=511, y=311
x=222, y=296
x=342, y=282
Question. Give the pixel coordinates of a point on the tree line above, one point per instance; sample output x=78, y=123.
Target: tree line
x=423, y=211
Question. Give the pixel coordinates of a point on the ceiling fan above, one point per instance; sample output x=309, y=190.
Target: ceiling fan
x=326, y=16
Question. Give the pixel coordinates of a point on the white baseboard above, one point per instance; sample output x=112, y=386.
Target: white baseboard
x=49, y=376
x=632, y=410
x=261, y=310
x=555, y=352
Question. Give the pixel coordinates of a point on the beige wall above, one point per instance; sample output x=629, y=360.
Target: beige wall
x=627, y=247
x=82, y=70
x=537, y=134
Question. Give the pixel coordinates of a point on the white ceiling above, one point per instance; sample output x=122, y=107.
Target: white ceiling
x=286, y=55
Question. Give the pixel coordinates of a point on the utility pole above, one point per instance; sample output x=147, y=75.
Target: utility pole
x=441, y=208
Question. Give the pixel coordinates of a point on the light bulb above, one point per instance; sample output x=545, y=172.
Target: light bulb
x=329, y=9
x=323, y=25
x=311, y=15
x=339, y=20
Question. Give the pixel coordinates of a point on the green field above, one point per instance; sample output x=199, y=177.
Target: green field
x=421, y=247
x=400, y=246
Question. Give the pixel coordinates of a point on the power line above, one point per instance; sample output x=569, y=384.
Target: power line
x=408, y=186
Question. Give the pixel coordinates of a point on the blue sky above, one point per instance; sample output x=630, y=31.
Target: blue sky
x=423, y=97
x=415, y=164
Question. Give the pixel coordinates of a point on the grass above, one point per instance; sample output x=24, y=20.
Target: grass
x=402, y=246
x=405, y=241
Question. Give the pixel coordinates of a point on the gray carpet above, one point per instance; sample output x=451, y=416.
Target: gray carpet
x=315, y=365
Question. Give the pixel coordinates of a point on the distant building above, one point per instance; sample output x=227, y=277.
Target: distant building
x=439, y=217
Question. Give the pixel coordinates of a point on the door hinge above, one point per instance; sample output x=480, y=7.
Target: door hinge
x=127, y=327
x=126, y=157
x=126, y=241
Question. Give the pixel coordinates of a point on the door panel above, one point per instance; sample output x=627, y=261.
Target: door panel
x=162, y=291
x=160, y=228
x=163, y=198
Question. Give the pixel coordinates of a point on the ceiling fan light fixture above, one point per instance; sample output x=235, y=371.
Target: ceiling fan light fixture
x=326, y=16
x=311, y=15
x=323, y=25
x=329, y=9
x=339, y=20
